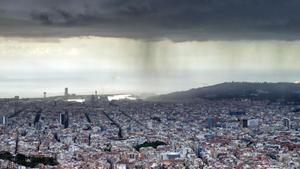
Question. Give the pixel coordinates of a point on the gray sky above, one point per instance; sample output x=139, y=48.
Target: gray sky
x=144, y=46
x=175, y=19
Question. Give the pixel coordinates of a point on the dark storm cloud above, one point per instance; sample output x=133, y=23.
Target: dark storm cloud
x=175, y=19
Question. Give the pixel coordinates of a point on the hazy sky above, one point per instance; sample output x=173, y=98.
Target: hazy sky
x=151, y=46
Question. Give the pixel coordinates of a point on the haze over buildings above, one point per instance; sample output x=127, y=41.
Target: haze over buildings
x=76, y=76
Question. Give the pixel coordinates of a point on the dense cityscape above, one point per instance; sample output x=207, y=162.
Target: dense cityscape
x=154, y=84
x=63, y=132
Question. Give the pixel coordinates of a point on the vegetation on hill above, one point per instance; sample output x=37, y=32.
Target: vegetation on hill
x=243, y=90
x=154, y=144
x=28, y=161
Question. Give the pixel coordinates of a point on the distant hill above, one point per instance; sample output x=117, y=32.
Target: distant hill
x=241, y=90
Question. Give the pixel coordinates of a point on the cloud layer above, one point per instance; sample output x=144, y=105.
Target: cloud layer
x=152, y=19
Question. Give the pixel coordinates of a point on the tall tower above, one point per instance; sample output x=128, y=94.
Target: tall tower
x=3, y=120
x=45, y=95
x=211, y=122
x=286, y=123
x=62, y=118
x=66, y=93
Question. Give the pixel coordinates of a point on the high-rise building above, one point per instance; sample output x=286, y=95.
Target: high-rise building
x=66, y=92
x=3, y=120
x=45, y=95
x=286, y=122
x=67, y=119
x=62, y=118
x=245, y=123
x=211, y=122
x=89, y=143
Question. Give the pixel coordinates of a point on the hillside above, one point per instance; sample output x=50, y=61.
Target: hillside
x=242, y=90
